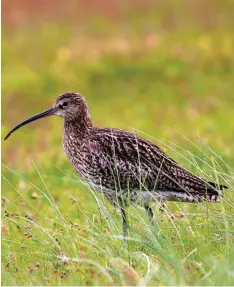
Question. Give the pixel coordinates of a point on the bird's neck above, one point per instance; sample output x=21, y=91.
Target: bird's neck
x=78, y=127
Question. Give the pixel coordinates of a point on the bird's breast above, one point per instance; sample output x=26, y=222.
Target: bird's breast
x=73, y=150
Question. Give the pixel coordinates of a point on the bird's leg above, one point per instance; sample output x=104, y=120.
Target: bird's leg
x=150, y=213
x=125, y=222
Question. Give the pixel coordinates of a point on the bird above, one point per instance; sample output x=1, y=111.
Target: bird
x=123, y=166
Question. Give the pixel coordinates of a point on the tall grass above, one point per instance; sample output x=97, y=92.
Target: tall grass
x=81, y=243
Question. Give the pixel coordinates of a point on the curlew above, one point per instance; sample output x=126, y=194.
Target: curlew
x=123, y=166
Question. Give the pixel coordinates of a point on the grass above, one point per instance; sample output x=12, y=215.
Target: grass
x=175, y=87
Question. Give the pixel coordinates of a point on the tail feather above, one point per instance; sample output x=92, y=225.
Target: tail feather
x=218, y=186
x=194, y=188
x=197, y=188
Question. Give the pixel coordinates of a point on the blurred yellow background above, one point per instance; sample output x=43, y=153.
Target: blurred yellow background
x=150, y=65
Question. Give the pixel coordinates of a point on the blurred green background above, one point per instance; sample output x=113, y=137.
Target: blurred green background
x=163, y=67
x=150, y=65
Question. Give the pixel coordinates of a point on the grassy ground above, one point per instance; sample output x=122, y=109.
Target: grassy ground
x=156, y=70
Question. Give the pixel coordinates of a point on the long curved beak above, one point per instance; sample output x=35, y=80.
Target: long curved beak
x=48, y=112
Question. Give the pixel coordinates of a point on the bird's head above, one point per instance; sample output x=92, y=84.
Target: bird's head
x=70, y=105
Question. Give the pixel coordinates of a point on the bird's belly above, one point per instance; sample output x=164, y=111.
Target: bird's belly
x=144, y=197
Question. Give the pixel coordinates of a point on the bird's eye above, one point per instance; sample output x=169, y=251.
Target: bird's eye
x=64, y=104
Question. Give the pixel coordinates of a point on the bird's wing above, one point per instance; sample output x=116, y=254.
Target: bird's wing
x=126, y=161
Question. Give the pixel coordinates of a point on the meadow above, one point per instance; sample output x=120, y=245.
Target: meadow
x=159, y=71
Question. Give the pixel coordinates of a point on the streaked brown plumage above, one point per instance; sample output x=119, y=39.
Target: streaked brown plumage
x=125, y=167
